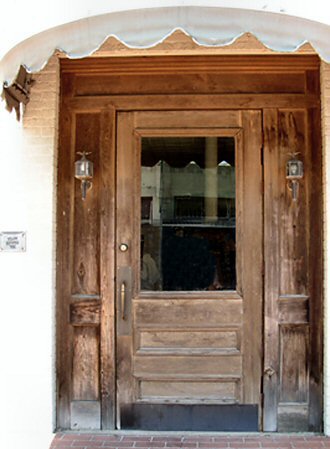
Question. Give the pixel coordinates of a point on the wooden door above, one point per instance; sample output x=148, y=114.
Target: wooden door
x=225, y=349
x=293, y=273
x=189, y=359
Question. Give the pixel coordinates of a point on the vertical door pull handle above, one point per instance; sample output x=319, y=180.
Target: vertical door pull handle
x=123, y=300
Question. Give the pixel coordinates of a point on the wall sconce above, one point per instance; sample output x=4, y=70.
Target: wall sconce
x=294, y=172
x=84, y=170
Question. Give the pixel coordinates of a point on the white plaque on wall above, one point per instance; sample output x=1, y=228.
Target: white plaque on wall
x=14, y=242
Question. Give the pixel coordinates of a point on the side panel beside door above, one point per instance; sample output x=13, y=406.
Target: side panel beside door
x=85, y=277
x=293, y=274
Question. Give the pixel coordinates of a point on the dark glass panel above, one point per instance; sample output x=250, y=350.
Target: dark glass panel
x=188, y=221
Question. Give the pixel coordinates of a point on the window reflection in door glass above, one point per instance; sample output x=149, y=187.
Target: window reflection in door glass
x=188, y=219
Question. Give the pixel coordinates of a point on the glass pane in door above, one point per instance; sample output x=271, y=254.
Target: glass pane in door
x=188, y=219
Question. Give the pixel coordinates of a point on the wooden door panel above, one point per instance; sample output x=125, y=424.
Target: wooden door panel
x=196, y=341
x=173, y=341
x=201, y=343
x=86, y=253
x=187, y=119
x=294, y=370
x=293, y=275
x=251, y=261
x=291, y=292
x=185, y=313
x=85, y=382
x=86, y=364
x=293, y=215
x=225, y=391
x=79, y=338
x=187, y=366
x=177, y=83
x=85, y=284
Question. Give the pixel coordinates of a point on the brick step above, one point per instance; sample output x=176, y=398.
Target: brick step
x=122, y=440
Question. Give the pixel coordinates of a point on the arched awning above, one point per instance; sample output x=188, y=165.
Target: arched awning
x=144, y=28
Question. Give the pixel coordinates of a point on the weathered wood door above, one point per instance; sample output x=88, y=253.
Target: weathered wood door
x=189, y=352
x=237, y=333
x=293, y=273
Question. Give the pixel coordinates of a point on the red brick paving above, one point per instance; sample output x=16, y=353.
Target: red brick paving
x=122, y=440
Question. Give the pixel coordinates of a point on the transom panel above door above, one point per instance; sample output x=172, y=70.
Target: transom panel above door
x=189, y=217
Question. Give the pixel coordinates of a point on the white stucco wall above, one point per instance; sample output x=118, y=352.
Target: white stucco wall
x=27, y=186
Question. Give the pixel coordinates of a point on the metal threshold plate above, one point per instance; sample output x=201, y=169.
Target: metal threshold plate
x=179, y=417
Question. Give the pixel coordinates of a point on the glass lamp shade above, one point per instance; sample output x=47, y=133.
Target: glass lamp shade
x=294, y=169
x=84, y=169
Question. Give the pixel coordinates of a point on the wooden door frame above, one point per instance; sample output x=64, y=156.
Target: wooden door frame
x=107, y=106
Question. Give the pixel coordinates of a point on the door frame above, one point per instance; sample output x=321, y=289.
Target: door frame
x=107, y=105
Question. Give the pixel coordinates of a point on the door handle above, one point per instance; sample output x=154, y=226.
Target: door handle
x=123, y=300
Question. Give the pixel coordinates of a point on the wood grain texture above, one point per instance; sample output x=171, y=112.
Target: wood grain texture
x=282, y=64
x=196, y=342
x=210, y=343
x=183, y=313
x=86, y=255
x=85, y=313
x=293, y=243
x=293, y=309
x=218, y=391
x=316, y=281
x=188, y=119
x=127, y=386
x=107, y=267
x=272, y=265
x=203, y=83
x=251, y=253
x=293, y=282
x=191, y=101
x=64, y=333
x=85, y=373
x=294, y=363
x=203, y=367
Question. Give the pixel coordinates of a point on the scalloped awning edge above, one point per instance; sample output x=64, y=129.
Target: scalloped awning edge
x=146, y=28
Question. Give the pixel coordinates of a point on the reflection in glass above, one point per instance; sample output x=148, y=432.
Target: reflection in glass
x=188, y=219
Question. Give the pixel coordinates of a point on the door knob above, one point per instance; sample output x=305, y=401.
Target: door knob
x=123, y=247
